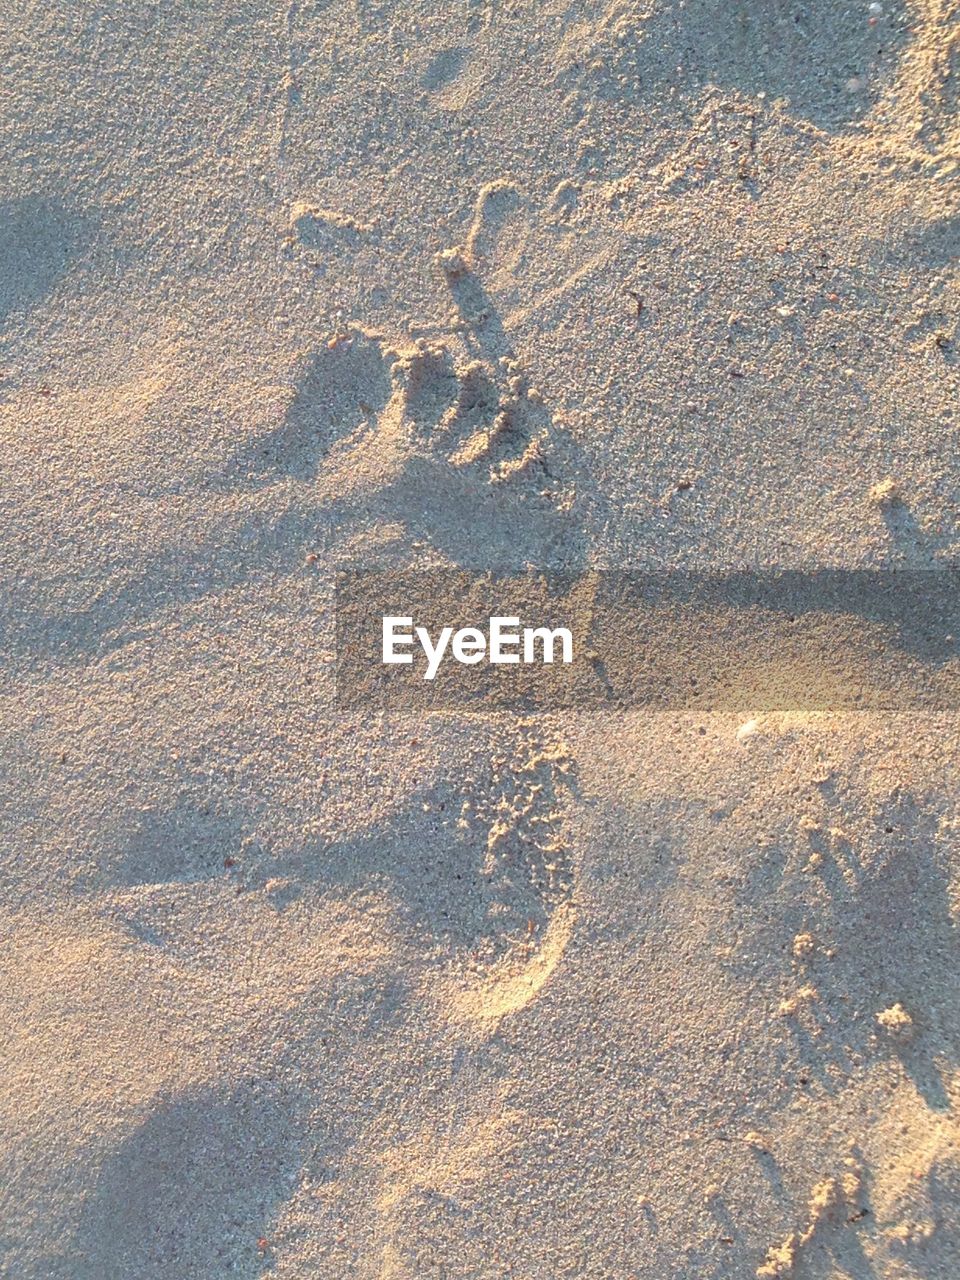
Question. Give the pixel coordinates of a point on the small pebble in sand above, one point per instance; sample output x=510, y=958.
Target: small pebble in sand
x=896, y=1022
x=791, y=1007
x=747, y=730
x=452, y=263
x=885, y=492
x=780, y=1259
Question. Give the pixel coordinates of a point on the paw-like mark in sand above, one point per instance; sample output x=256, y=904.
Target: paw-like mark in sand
x=474, y=415
x=445, y=439
x=463, y=399
x=432, y=401
x=432, y=438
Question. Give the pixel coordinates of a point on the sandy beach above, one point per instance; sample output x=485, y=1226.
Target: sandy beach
x=312, y=992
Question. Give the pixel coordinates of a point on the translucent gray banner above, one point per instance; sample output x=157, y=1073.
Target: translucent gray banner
x=829, y=639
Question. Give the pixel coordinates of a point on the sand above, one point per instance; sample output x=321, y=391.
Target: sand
x=294, y=992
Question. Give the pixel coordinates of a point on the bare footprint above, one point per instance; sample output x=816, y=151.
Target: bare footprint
x=479, y=869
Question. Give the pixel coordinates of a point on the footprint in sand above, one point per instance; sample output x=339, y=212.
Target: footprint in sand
x=453, y=77
x=430, y=437
x=473, y=414
x=430, y=399
x=478, y=868
x=516, y=816
x=434, y=438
